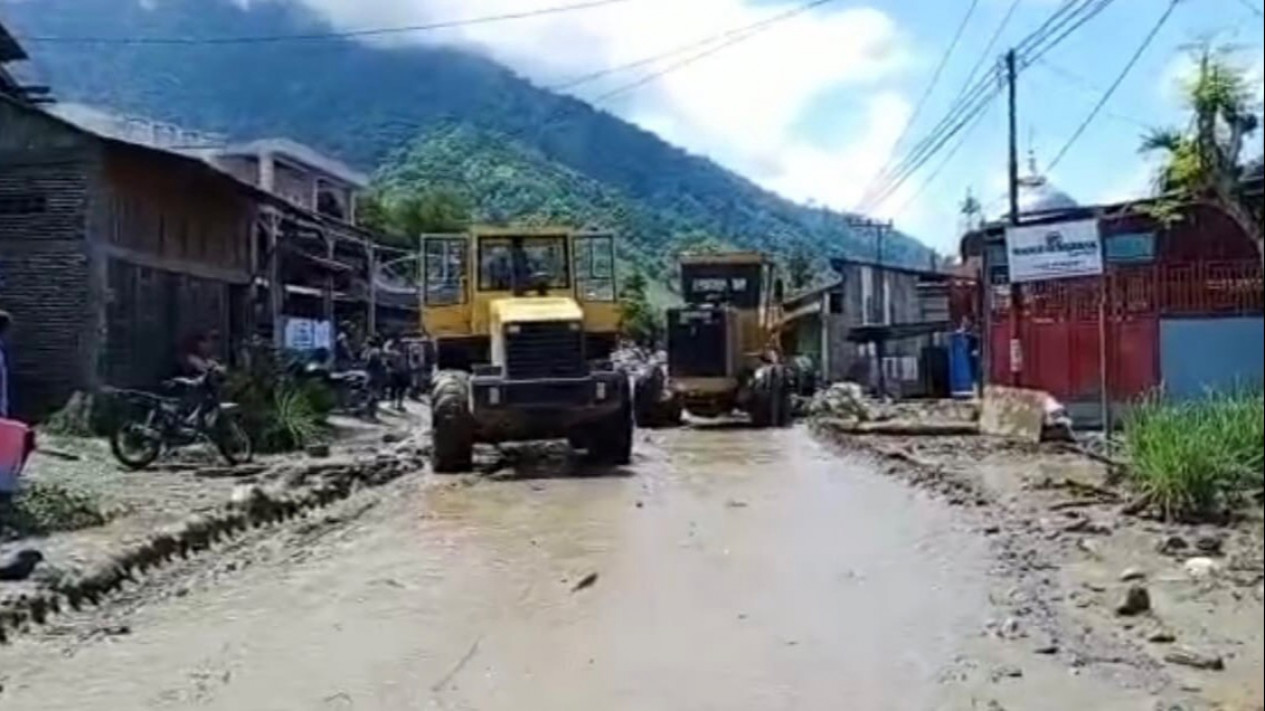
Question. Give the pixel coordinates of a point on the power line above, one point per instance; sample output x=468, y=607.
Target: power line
x=739, y=35
x=1068, y=26
x=727, y=38
x=919, y=153
x=975, y=122
x=934, y=147
x=931, y=86
x=705, y=53
x=1255, y=10
x=263, y=39
x=1111, y=90
x=988, y=48
x=948, y=158
x=1080, y=81
x=1069, y=17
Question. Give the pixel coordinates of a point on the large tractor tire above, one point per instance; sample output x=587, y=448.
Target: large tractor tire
x=610, y=441
x=652, y=407
x=771, y=397
x=784, y=390
x=762, y=401
x=452, y=425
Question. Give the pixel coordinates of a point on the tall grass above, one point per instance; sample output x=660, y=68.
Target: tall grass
x=1196, y=458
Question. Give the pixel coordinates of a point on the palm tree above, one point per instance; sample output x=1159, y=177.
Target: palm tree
x=1204, y=163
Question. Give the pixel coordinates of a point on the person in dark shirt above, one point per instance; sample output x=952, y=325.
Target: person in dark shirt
x=397, y=372
x=198, y=358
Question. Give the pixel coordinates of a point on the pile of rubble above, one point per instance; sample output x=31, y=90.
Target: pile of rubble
x=846, y=406
x=842, y=400
x=281, y=493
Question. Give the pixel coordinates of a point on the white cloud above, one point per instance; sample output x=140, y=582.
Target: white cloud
x=741, y=106
x=1181, y=70
x=1136, y=184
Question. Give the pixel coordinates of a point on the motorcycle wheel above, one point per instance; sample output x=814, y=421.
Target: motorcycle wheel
x=136, y=444
x=233, y=441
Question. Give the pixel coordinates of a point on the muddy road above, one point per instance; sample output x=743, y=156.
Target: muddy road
x=734, y=570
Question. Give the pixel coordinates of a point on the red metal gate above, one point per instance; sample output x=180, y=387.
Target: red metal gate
x=1060, y=323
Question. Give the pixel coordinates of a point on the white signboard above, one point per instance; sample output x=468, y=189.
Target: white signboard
x=1057, y=251
x=303, y=334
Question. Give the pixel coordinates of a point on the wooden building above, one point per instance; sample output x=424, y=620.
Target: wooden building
x=872, y=325
x=113, y=254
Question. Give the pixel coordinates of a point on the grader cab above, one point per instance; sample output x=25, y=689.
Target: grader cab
x=724, y=354
x=524, y=323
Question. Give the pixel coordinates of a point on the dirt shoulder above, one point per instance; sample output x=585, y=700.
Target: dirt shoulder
x=1173, y=610
x=131, y=524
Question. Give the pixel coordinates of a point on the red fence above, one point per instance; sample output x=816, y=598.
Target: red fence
x=1059, y=324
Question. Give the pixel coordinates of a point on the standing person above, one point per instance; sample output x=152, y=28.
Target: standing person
x=6, y=321
x=375, y=366
x=397, y=372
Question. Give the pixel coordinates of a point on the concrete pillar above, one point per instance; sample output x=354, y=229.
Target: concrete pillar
x=267, y=171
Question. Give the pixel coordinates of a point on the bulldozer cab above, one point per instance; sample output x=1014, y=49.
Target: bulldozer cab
x=524, y=323
x=724, y=353
x=740, y=289
x=477, y=282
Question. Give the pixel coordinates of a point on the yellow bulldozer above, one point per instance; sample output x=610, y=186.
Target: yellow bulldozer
x=524, y=323
x=723, y=349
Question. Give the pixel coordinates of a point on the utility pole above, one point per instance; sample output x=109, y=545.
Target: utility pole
x=1012, y=76
x=880, y=228
x=881, y=293
x=1013, y=140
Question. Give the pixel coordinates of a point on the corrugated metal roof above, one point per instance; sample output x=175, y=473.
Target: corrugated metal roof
x=10, y=50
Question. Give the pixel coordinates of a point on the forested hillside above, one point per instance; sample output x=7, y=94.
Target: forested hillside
x=418, y=115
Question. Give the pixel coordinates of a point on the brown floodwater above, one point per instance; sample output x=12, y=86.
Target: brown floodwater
x=735, y=570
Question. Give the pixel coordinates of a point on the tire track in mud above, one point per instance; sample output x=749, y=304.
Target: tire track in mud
x=298, y=493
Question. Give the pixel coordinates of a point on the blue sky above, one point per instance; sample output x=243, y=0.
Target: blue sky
x=813, y=106
x=1103, y=164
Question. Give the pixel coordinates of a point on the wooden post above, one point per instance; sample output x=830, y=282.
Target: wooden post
x=1016, y=344
x=1104, y=378
x=276, y=289
x=371, y=324
x=327, y=287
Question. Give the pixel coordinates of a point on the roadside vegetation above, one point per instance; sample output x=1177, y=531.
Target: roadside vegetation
x=1200, y=458
x=41, y=508
x=279, y=413
x=639, y=320
x=1204, y=163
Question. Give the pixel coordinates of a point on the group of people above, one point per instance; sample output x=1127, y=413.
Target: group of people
x=396, y=366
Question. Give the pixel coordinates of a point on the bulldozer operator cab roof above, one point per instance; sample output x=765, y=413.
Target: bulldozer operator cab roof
x=736, y=279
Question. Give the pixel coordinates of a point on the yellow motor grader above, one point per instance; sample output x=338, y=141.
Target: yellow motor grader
x=723, y=350
x=524, y=322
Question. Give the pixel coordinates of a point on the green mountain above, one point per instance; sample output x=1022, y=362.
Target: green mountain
x=420, y=117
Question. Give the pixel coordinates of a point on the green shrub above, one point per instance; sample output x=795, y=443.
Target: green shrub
x=1197, y=458
x=293, y=421
x=280, y=413
x=40, y=508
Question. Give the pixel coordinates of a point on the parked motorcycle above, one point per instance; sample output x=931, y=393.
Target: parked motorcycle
x=195, y=413
x=350, y=387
